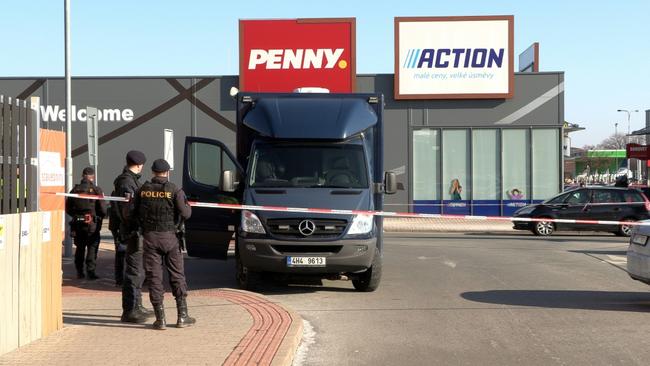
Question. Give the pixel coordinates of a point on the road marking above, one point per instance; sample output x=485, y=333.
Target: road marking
x=449, y=263
x=308, y=338
x=617, y=259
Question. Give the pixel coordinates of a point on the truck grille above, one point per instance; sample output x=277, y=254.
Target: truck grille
x=325, y=228
x=302, y=249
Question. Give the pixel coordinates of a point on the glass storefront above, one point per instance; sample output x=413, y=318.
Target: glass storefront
x=487, y=171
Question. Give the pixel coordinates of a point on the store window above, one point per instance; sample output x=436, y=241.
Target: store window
x=426, y=163
x=455, y=165
x=515, y=164
x=485, y=164
x=546, y=163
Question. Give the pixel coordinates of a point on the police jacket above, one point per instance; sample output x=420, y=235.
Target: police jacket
x=85, y=213
x=160, y=205
x=126, y=184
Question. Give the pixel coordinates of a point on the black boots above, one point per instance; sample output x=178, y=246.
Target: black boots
x=133, y=316
x=140, y=308
x=184, y=320
x=92, y=275
x=138, y=315
x=160, y=323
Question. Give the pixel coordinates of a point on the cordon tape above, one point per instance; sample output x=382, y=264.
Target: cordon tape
x=330, y=211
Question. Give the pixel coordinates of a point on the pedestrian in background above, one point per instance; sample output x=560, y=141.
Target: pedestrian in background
x=161, y=206
x=86, y=223
x=127, y=185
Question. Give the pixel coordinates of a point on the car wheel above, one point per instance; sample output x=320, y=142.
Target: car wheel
x=625, y=230
x=368, y=281
x=543, y=228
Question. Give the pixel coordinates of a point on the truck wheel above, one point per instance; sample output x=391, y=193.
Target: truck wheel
x=543, y=228
x=368, y=281
x=246, y=279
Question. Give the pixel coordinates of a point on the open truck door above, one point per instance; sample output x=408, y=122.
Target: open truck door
x=209, y=231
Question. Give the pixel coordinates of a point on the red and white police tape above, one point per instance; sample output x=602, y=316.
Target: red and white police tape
x=369, y=213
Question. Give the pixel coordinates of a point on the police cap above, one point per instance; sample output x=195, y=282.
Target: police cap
x=160, y=166
x=88, y=171
x=135, y=157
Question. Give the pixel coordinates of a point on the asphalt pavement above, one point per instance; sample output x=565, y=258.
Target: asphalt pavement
x=481, y=299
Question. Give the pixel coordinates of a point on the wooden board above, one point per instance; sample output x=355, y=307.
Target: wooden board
x=9, y=283
x=29, y=279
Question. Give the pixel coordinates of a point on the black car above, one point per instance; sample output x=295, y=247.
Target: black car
x=587, y=203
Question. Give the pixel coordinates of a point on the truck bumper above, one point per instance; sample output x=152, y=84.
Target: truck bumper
x=343, y=256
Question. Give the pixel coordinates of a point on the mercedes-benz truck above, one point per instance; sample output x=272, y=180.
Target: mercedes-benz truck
x=294, y=150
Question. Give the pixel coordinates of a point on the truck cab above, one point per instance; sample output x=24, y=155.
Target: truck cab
x=319, y=151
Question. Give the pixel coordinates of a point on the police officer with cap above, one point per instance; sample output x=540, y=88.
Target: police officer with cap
x=127, y=185
x=160, y=206
x=86, y=222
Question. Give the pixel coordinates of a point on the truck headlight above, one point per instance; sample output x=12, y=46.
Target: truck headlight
x=361, y=224
x=250, y=223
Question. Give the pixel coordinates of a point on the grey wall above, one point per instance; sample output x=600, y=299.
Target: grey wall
x=209, y=112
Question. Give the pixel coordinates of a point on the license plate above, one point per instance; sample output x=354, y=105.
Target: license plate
x=306, y=261
x=640, y=239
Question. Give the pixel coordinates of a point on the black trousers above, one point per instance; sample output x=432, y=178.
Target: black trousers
x=133, y=274
x=87, y=245
x=119, y=258
x=161, y=249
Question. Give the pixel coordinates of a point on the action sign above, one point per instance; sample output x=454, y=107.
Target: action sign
x=454, y=57
x=283, y=55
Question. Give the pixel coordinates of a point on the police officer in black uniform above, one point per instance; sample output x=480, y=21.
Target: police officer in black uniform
x=161, y=206
x=127, y=185
x=86, y=223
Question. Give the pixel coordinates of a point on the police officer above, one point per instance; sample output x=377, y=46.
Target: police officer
x=86, y=223
x=127, y=185
x=161, y=206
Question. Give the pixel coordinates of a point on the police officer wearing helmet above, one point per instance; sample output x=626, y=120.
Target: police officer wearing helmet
x=86, y=223
x=127, y=185
x=160, y=206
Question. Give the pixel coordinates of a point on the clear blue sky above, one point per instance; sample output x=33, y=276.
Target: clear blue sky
x=603, y=47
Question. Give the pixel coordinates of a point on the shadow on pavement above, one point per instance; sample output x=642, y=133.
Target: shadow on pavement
x=95, y=320
x=565, y=299
x=600, y=252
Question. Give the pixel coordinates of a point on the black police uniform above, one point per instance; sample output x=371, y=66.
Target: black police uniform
x=160, y=206
x=120, y=249
x=127, y=184
x=85, y=226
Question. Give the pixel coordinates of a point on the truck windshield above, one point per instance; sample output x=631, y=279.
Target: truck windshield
x=322, y=166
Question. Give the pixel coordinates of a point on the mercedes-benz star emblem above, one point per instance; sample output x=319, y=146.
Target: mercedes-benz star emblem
x=306, y=227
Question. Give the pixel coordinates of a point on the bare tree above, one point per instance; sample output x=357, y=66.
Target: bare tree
x=618, y=142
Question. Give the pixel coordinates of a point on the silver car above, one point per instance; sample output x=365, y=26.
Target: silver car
x=638, y=253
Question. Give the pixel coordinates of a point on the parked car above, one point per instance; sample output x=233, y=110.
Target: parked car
x=587, y=203
x=638, y=254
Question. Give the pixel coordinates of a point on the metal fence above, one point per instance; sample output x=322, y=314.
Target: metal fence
x=18, y=155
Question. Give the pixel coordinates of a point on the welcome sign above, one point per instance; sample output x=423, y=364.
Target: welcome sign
x=454, y=57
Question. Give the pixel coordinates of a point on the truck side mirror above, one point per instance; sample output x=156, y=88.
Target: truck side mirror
x=227, y=181
x=390, y=183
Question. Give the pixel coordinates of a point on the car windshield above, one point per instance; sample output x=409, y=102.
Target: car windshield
x=313, y=165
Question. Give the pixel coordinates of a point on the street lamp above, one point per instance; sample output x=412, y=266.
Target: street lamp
x=629, y=112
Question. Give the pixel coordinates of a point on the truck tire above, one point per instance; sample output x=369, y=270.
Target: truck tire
x=368, y=281
x=246, y=279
